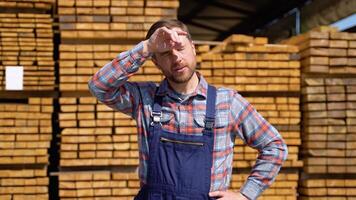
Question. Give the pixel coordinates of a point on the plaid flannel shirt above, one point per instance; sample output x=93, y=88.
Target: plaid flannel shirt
x=234, y=117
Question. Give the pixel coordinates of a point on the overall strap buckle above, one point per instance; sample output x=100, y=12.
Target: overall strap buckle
x=209, y=124
x=156, y=117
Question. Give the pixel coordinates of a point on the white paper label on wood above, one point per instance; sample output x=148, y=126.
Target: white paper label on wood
x=14, y=77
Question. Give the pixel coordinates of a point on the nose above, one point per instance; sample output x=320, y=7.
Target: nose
x=177, y=56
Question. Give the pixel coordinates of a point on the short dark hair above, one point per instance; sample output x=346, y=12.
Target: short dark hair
x=169, y=23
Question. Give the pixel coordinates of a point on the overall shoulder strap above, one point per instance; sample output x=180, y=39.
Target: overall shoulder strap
x=210, y=108
x=156, y=113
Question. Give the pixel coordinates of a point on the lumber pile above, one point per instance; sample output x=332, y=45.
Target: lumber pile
x=328, y=106
x=25, y=132
x=22, y=184
x=325, y=50
x=249, y=64
x=95, y=24
x=284, y=188
x=26, y=39
x=94, y=135
x=106, y=185
x=329, y=120
x=328, y=100
x=315, y=189
x=111, y=19
x=27, y=4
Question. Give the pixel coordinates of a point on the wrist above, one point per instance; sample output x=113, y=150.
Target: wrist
x=146, y=51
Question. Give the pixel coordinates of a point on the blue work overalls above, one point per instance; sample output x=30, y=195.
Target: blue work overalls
x=179, y=165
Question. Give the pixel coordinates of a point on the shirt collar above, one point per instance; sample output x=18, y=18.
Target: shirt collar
x=201, y=89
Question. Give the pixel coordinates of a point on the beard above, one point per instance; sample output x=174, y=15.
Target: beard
x=181, y=78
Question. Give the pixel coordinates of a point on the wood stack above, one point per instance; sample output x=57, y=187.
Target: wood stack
x=328, y=94
x=325, y=50
x=24, y=184
x=335, y=189
x=26, y=39
x=104, y=185
x=284, y=188
x=284, y=114
x=94, y=135
x=25, y=4
x=111, y=19
x=329, y=118
x=25, y=132
x=104, y=22
x=250, y=64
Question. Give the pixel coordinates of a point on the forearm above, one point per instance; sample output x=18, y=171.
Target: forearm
x=266, y=168
x=106, y=83
x=110, y=86
x=259, y=134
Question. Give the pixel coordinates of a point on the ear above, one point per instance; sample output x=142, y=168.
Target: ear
x=193, y=47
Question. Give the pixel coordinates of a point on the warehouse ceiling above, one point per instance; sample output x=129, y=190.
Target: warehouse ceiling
x=217, y=19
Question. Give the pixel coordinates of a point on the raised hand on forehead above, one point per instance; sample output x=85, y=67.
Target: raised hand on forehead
x=164, y=39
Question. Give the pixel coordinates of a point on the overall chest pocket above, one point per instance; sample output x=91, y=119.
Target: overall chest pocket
x=182, y=162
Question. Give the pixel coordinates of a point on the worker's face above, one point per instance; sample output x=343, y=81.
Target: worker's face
x=178, y=64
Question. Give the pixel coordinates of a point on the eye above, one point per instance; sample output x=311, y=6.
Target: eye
x=164, y=54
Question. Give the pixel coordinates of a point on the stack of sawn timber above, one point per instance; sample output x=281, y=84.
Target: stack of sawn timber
x=328, y=59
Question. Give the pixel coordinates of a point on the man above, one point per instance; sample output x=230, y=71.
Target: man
x=186, y=128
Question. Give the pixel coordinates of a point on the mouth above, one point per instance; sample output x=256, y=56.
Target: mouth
x=179, y=68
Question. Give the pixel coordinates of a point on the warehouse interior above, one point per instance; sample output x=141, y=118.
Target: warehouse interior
x=294, y=61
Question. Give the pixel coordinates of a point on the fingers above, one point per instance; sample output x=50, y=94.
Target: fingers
x=181, y=32
x=172, y=36
x=166, y=39
x=216, y=194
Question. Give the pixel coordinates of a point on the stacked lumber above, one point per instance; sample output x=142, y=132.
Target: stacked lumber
x=111, y=19
x=250, y=64
x=27, y=4
x=284, y=114
x=328, y=106
x=25, y=132
x=200, y=50
x=104, y=185
x=329, y=118
x=284, y=187
x=325, y=50
x=22, y=184
x=328, y=101
x=94, y=135
x=334, y=189
x=78, y=62
x=26, y=39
